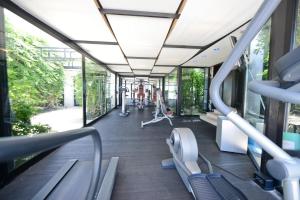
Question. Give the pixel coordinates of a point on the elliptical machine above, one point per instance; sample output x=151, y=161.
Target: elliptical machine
x=286, y=88
x=124, y=112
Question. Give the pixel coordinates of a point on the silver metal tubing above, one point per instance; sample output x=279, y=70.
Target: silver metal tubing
x=256, y=24
x=270, y=89
x=13, y=147
x=261, y=17
x=259, y=138
x=291, y=188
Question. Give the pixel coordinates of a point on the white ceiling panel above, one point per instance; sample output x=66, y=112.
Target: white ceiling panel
x=202, y=22
x=175, y=56
x=213, y=55
x=105, y=53
x=140, y=36
x=126, y=74
x=77, y=19
x=120, y=68
x=157, y=74
x=158, y=69
x=165, y=6
x=141, y=72
x=141, y=63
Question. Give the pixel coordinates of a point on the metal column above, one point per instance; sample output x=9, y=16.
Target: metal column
x=282, y=39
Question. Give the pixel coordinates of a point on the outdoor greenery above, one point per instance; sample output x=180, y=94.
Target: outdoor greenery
x=96, y=89
x=264, y=45
x=78, y=89
x=171, y=90
x=192, y=89
x=34, y=83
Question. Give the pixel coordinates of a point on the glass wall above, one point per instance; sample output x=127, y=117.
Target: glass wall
x=291, y=135
x=193, y=88
x=96, y=79
x=257, y=61
x=44, y=81
x=110, y=91
x=171, y=90
x=117, y=92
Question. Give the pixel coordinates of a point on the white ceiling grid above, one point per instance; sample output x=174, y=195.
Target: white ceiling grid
x=217, y=53
x=141, y=72
x=200, y=23
x=141, y=63
x=175, y=56
x=106, y=53
x=213, y=55
x=77, y=19
x=158, y=69
x=140, y=36
x=163, y=6
x=120, y=68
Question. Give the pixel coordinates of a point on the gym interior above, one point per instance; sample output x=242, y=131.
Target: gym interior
x=149, y=99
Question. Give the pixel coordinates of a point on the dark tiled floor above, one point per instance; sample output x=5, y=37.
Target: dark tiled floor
x=141, y=151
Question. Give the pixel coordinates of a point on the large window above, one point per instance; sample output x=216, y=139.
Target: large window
x=44, y=81
x=291, y=135
x=171, y=90
x=110, y=91
x=96, y=79
x=257, y=60
x=193, y=86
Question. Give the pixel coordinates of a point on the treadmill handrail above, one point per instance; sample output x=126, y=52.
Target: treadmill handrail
x=272, y=90
x=18, y=146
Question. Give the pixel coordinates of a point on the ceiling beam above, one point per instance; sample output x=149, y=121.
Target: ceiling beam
x=142, y=70
x=182, y=46
x=149, y=58
x=165, y=66
x=108, y=64
x=139, y=13
x=94, y=42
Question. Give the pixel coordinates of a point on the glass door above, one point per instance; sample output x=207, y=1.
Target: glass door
x=193, y=86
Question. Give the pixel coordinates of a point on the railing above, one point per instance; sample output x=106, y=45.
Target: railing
x=13, y=147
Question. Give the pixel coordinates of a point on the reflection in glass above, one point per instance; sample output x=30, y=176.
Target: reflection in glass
x=257, y=61
x=291, y=136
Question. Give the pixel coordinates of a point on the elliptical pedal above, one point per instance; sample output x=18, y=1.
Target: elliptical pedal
x=214, y=187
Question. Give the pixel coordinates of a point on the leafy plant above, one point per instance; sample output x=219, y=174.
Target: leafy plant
x=193, y=88
x=34, y=83
x=96, y=77
x=20, y=128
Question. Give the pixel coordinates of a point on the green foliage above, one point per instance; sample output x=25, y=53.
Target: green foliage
x=78, y=89
x=297, y=36
x=264, y=45
x=96, y=77
x=193, y=88
x=20, y=128
x=34, y=83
